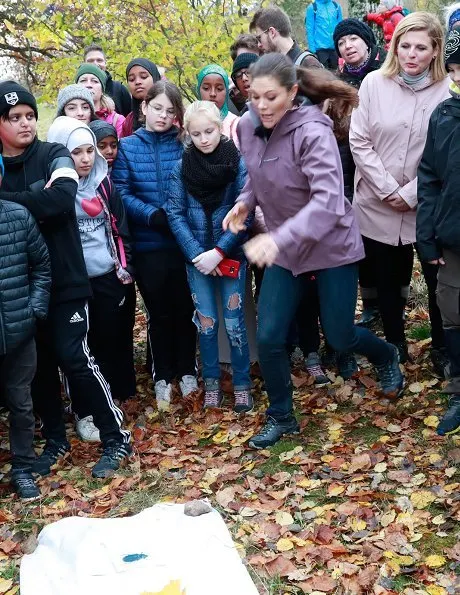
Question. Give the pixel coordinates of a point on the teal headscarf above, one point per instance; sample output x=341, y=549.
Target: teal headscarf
x=214, y=69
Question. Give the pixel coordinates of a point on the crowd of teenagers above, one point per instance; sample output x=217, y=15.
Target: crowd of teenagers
x=285, y=177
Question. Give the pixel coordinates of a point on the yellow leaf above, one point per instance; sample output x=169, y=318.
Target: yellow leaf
x=432, y=421
x=435, y=458
x=327, y=458
x=387, y=518
x=173, y=588
x=435, y=590
x=5, y=585
x=357, y=524
x=435, y=561
x=380, y=467
x=335, y=490
x=13, y=591
x=422, y=499
x=416, y=387
x=284, y=518
x=284, y=545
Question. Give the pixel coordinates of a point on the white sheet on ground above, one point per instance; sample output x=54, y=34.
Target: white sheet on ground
x=135, y=555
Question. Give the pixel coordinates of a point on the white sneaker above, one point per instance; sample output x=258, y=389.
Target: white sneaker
x=163, y=395
x=86, y=430
x=188, y=385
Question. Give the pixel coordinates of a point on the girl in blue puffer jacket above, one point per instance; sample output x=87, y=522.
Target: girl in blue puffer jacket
x=141, y=172
x=202, y=191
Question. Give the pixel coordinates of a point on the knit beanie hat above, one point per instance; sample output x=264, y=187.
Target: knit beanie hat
x=87, y=68
x=243, y=61
x=149, y=66
x=452, y=48
x=353, y=27
x=102, y=129
x=74, y=92
x=2, y=167
x=11, y=94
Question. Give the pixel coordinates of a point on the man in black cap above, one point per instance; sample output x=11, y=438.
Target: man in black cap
x=240, y=77
x=41, y=177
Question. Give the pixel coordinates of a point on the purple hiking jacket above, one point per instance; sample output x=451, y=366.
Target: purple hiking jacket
x=296, y=178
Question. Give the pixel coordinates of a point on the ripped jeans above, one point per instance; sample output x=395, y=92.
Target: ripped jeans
x=203, y=289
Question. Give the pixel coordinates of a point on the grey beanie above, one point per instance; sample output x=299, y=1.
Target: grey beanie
x=74, y=92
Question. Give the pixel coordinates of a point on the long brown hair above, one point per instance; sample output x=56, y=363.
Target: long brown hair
x=316, y=84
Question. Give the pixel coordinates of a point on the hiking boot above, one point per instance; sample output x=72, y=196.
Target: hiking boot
x=347, y=365
x=213, y=396
x=163, y=395
x=440, y=362
x=243, y=401
x=52, y=452
x=403, y=353
x=86, y=430
x=188, y=385
x=272, y=431
x=369, y=317
x=390, y=376
x=313, y=365
x=24, y=485
x=450, y=423
x=113, y=456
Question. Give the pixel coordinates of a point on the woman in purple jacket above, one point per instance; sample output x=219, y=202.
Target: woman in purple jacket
x=295, y=176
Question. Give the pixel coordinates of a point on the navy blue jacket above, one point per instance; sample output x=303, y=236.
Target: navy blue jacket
x=141, y=173
x=195, y=232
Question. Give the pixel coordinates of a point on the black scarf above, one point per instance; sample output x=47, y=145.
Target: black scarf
x=206, y=176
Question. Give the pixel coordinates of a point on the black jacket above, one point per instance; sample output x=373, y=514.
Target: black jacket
x=438, y=187
x=348, y=167
x=310, y=60
x=25, y=276
x=54, y=209
x=120, y=95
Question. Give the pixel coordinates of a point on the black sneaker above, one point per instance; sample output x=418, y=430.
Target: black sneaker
x=113, y=456
x=24, y=485
x=347, y=365
x=403, y=353
x=51, y=453
x=390, y=376
x=272, y=431
x=369, y=317
x=440, y=362
x=450, y=423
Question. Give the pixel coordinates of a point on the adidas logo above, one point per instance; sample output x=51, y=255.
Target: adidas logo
x=76, y=318
x=122, y=301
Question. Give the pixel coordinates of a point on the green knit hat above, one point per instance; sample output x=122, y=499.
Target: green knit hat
x=88, y=68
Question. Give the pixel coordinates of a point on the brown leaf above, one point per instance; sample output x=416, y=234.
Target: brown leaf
x=368, y=576
x=323, y=534
x=360, y=463
x=225, y=496
x=323, y=583
x=280, y=566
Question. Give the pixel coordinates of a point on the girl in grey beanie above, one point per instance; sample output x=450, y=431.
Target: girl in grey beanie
x=77, y=102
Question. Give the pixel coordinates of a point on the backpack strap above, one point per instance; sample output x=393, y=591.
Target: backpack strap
x=107, y=192
x=300, y=58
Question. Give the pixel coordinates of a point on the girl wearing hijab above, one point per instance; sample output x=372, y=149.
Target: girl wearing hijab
x=140, y=75
x=213, y=85
x=107, y=252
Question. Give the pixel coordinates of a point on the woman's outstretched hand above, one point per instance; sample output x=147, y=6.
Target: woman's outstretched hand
x=234, y=220
x=261, y=250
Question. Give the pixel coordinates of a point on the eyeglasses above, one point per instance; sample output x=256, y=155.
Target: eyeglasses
x=159, y=109
x=244, y=72
x=259, y=37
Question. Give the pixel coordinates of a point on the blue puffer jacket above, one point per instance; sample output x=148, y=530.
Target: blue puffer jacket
x=141, y=173
x=195, y=233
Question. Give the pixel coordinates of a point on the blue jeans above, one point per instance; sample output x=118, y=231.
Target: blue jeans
x=203, y=288
x=279, y=298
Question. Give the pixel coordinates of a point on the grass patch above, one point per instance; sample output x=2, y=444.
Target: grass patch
x=420, y=331
x=46, y=115
x=273, y=464
x=10, y=572
x=433, y=544
x=365, y=431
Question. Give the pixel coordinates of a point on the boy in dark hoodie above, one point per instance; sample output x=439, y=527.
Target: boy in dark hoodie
x=438, y=221
x=41, y=176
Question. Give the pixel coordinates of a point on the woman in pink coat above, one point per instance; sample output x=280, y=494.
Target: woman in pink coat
x=387, y=136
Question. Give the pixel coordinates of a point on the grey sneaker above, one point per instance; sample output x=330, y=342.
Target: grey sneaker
x=243, y=401
x=390, y=376
x=313, y=365
x=163, y=395
x=52, y=452
x=272, y=431
x=24, y=485
x=213, y=396
x=114, y=456
x=188, y=385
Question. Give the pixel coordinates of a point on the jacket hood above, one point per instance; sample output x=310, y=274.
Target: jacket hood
x=61, y=131
x=293, y=118
x=20, y=159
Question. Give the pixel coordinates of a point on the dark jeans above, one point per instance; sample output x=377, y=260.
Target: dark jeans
x=162, y=281
x=393, y=271
x=110, y=337
x=280, y=296
x=17, y=371
x=430, y=274
x=62, y=341
x=304, y=329
x=328, y=58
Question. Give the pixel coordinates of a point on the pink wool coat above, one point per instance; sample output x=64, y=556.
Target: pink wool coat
x=387, y=136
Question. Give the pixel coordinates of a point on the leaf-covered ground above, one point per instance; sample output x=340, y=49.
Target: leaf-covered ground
x=364, y=500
